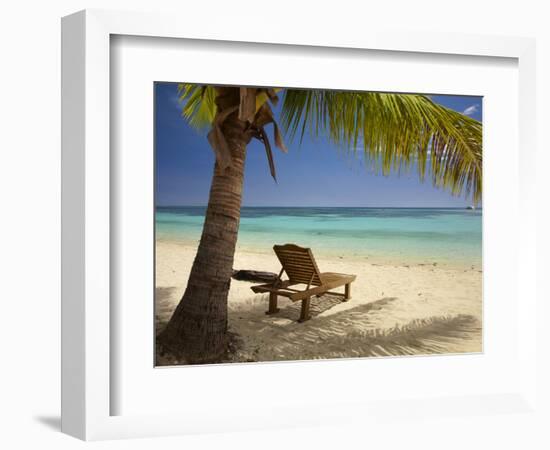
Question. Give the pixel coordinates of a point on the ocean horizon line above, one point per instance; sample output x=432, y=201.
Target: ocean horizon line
x=460, y=208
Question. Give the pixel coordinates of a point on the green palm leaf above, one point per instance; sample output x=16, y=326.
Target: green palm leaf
x=198, y=104
x=394, y=131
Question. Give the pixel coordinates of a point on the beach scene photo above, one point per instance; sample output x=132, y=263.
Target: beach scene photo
x=298, y=224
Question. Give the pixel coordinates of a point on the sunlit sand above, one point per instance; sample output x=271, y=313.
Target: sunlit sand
x=397, y=308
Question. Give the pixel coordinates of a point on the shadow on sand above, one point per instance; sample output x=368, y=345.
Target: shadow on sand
x=343, y=334
x=347, y=333
x=164, y=306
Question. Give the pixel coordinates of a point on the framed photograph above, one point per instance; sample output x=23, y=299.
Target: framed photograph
x=410, y=253
x=247, y=215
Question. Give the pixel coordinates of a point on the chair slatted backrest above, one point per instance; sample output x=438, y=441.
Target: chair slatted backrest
x=299, y=264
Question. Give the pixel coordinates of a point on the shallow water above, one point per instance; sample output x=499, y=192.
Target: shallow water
x=407, y=235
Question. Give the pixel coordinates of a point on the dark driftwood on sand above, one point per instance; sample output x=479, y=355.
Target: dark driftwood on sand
x=254, y=276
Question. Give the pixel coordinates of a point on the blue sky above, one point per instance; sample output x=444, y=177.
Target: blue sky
x=313, y=173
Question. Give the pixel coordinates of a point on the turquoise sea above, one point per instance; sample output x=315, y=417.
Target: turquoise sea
x=405, y=235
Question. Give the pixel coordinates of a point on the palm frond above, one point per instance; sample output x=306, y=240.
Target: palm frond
x=198, y=104
x=394, y=131
x=266, y=94
x=199, y=107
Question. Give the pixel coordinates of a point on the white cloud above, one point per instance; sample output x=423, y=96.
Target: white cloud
x=471, y=110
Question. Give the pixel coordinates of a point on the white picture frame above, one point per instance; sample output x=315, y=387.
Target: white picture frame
x=86, y=238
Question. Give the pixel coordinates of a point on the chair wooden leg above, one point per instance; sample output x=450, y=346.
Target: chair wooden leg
x=347, y=294
x=272, y=304
x=304, y=314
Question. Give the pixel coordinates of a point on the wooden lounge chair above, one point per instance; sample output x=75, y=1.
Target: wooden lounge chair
x=300, y=267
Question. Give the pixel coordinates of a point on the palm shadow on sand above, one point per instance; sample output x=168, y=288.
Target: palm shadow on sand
x=164, y=306
x=347, y=333
x=343, y=334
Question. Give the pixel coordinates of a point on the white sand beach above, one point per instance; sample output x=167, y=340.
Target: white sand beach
x=396, y=309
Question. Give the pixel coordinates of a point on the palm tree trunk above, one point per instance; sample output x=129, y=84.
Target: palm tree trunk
x=197, y=331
